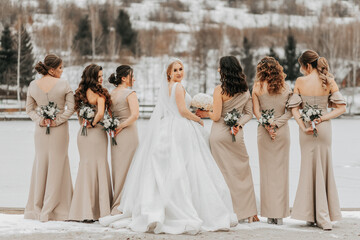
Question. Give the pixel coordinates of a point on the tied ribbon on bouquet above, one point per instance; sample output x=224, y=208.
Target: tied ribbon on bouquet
x=48, y=112
x=309, y=114
x=87, y=113
x=202, y=101
x=231, y=119
x=267, y=118
x=110, y=124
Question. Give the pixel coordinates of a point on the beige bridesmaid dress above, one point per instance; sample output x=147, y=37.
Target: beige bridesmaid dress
x=127, y=142
x=92, y=194
x=232, y=157
x=51, y=187
x=317, y=197
x=274, y=157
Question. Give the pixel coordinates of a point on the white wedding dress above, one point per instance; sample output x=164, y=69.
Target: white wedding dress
x=174, y=184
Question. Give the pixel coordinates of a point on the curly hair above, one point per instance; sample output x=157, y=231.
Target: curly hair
x=121, y=71
x=232, y=78
x=269, y=70
x=89, y=80
x=319, y=63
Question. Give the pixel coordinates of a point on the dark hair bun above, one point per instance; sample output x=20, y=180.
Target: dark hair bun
x=41, y=68
x=112, y=78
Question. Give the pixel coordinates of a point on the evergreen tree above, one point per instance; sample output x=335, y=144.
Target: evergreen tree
x=247, y=61
x=27, y=60
x=103, y=47
x=125, y=31
x=273, y=54
x=82, y=39
x=290, y=63
x=8, y=58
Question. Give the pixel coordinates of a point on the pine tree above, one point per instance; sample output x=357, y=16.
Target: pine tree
x=27, y=60
x=247, y=61
x=103, y=47
x=290, y=63
x=8, y=58
x=273, y=54
x=82, y=39
x=125, y=31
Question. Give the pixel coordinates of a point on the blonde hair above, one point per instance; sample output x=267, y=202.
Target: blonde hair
x=170, y=67
x=319, y=63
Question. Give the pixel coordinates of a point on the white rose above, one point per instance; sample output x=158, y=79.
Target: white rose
x=90, y=114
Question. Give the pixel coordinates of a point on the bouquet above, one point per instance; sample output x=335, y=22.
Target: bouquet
x=110, y=123
x=87, y=113
x=49, y=112
x=309, y=114
x=202, y=101
x=231, y=118
x=267, y=118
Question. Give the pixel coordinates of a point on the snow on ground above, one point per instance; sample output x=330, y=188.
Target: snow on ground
x=16, y=227
x=17, y=156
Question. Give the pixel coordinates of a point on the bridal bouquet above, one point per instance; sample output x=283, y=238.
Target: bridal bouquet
x=110, y=123
x=267, y=117
x=309, y=114
x=49, y=112
x=231, y=118
x=87, y=113
x=202, y=101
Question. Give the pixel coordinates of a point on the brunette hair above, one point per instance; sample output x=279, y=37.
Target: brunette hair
x=232, y=77
x=269, y=70
x=121, y=71
x=319, y=63
x=170, y=67
x=50, y=61
x=89, y=80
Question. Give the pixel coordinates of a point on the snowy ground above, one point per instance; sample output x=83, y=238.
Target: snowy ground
x=17, y=154
x=15, y=227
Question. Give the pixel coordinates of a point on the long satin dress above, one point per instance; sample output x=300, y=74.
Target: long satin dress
x=232, y=157
x=317, y=197
x=92, y=193
x=274, y=157
x=51, y=187
x=127, y=142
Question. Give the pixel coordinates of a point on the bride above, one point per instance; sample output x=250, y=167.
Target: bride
x=173, y=184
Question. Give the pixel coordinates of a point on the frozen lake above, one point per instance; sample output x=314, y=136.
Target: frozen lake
x=17, y=155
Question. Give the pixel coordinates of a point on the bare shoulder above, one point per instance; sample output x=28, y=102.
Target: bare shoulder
x=256, y=88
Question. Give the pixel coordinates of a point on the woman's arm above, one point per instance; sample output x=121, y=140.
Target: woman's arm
x=247, y=113
x=100, y=110
x=215, y=115
x=134, y=110
x=180, y=102
x=256, y=103
x=30, y=109
x=339, y=108
x=70, y=103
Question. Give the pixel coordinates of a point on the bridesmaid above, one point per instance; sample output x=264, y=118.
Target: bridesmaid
x=92, y=194
x=271, y=92
x=316, y=198
x=51, y=187
x=232, y=157
x=125, y=107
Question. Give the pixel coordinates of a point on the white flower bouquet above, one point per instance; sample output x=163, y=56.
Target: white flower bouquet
x=110, y=123
x=231, y=119
x=267, y=117
x=309, y=114
x=87, y=113
x=202, y=101
x=49, y=112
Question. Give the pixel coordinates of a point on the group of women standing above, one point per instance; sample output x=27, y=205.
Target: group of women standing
x=173, y=182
